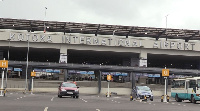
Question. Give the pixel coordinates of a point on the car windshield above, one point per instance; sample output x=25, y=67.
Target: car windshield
x=68, y=85
x=144, y=88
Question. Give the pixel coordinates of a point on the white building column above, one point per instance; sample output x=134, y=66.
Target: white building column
x=141, y=61
x=63, y=55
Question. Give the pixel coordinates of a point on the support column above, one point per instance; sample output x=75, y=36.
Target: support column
x=141, y=61
x=1, y=55
x=133, y=80
x=30, y=69
x=99, y=73
x=63, y=55
x=65, y=75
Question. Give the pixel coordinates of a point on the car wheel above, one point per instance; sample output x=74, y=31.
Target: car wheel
x=193, y=99
x=151, y=99
x=73, y=96
x=77, y=97
x=177, y=98
x=60, y=96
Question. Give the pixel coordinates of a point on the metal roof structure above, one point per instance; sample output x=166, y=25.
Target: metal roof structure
x=101, y=29
x=104, y=68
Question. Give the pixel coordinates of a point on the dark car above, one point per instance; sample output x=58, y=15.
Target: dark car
x=68, y=89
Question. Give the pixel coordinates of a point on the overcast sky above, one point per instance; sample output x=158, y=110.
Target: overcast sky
x=183, y=14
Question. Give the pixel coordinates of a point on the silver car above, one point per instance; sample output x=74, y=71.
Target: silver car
x=142, y=91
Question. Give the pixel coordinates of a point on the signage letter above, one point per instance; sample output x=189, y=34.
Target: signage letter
x=42, y=38
x=12, y=36
x=82, y=40
x=20, y=37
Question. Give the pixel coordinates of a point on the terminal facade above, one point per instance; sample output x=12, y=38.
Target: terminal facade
x=89, y=44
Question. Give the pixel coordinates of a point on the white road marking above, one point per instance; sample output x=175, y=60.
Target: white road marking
x=20, y=97
x=116, y=97
x=11, y=93
x=145, y=102
x=52, y=98
x=86, y=101
x=184, y=105
x=17, y=98
x=118, y=102
x=178, y=104
x=112, y=100
x=173, y=103
x=46, y=108
x=98, y=109
x=98, y=96
x=115, y=101
x=24, y=96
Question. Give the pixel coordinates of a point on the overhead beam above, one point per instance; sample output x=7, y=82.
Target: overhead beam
x=164, y=31
x=187, y=39
x=130, y=32
x=97, y=30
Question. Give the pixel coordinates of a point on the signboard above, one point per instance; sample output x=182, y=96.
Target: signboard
x=18, y=69
x=109, y=77
x=3, y=63
x=33, y=74
x=165, y=72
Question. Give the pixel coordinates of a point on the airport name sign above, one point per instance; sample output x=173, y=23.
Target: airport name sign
x=34, y=37
x=126, y=42
x=103, y=41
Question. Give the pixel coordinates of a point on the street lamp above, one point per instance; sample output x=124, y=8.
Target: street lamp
x=27, y=64
x=166, y=24
x=8, y=61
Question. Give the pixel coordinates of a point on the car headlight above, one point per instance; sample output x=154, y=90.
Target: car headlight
x=76, y=90
x=63, y=90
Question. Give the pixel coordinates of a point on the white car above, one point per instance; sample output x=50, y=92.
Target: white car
x=142, y=91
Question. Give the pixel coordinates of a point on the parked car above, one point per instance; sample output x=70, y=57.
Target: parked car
x=142, y=91
x=68, y=89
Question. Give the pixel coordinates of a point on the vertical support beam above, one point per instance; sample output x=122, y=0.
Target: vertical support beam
x=65, y=75
x=99, y=82
x=133, y=80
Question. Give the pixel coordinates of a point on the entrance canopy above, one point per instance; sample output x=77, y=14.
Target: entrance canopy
x=103, y=68
x=102, y=29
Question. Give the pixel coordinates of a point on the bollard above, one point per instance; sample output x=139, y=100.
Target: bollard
x=4, y=92
x=167, y=98
x=131, y=98
x=162, y=97
x=145, y=98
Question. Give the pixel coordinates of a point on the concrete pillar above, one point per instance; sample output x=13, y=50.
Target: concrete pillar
x=63, y=55
x=99, y=73
x=141, y=61
x=1, y=55
x=65, y=75
x=30, y=69
x=133, y=79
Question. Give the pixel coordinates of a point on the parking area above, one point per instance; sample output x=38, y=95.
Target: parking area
x=50, y=102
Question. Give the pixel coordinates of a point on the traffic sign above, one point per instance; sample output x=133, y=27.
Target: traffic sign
x=109, y=77
x=4, y=63
x=33, y=74
x=165, y=72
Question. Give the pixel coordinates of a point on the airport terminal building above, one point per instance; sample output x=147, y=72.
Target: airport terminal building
x=99, y=44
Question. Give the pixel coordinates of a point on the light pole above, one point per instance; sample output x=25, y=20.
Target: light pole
x=27, y=64
x=8, y=62
x=166, y=24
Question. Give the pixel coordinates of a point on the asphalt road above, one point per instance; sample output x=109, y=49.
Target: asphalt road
x=17, y=101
